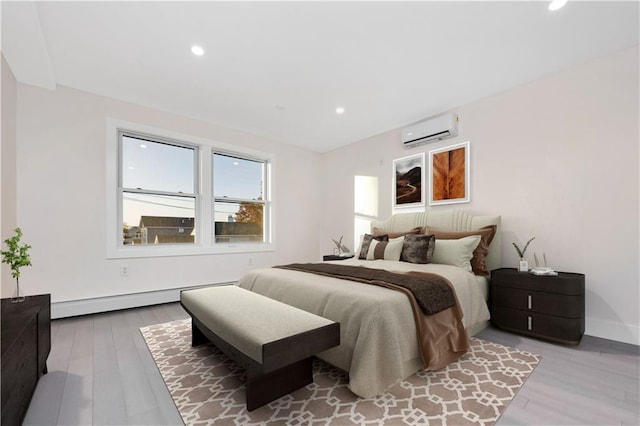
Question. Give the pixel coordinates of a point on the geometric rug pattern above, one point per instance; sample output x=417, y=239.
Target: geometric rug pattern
x=208, y=388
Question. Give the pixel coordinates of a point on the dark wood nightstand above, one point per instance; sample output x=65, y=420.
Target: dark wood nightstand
x=336, y=257
x=547, y=307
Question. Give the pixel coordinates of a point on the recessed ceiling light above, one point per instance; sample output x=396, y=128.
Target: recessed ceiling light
x=557, y=4
x=339, y=110
x=197, y=50
x=143, y=146
x=235, y=163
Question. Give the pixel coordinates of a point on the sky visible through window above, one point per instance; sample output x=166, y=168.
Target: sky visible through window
x=163, y=167
x=235, y=178
x=157, y=166
x=154, y=166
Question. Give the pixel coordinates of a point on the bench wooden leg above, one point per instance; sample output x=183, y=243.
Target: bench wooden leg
x=264, y=388
x=197, y=337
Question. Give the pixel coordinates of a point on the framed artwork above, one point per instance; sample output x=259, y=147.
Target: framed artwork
x=408, y=181
x=449, y=169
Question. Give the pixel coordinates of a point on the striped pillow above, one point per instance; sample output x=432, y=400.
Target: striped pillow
x=366, y=242
x=387, y=250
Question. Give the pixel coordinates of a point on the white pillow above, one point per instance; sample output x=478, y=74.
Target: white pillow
x=456, y=252
x=390, y=249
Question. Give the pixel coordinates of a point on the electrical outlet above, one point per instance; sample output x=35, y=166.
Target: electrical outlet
x=124, y=270
x=250, y=260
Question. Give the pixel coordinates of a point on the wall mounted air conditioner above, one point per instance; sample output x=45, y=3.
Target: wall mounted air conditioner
x=432, y=129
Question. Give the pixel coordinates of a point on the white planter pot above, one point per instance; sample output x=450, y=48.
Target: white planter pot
x=524, y=266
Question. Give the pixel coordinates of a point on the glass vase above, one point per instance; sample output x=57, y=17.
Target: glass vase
x=17, y=298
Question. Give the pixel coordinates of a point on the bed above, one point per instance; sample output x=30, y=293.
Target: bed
x=378, y=331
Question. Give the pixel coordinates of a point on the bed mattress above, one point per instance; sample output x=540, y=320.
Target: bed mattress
x=378, y=333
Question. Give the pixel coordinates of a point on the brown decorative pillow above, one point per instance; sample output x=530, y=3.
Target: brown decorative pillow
x=479, y=260
x=417, y=248
x=366, y=242
x=378, y=231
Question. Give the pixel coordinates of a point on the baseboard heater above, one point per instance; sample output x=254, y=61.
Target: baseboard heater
x=73, y=308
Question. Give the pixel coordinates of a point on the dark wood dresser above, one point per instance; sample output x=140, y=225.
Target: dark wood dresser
x=547, y=307
x=26, y=342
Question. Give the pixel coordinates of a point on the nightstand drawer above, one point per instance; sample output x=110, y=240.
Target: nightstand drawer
x=565, y=330
x=567, y=306
x=568, y=283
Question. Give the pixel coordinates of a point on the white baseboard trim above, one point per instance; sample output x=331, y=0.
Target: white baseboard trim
x=115, y=303
x=611, y=330
x=626, y=333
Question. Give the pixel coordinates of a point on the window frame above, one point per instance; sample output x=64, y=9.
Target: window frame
x=266, y=196
x=122, y=190
x=203, y=181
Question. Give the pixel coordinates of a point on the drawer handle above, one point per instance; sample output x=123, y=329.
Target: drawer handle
x=529, y=301
x=529, y=323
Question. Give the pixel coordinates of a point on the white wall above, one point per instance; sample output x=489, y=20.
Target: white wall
x=62, y=207
x=8, y=219
x=558, y=159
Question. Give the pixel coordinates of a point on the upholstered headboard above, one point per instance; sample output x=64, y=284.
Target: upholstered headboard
x=451, y=220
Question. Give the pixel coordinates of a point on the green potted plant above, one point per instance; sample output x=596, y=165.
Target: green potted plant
x=524, y=265
x=16, y=256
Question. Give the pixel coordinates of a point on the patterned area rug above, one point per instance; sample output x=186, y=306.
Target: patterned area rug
x=208, y=389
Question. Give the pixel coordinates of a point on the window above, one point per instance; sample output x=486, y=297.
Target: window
x=171, y=194
x=365, y=203
x=159, y=191
x=239, y=198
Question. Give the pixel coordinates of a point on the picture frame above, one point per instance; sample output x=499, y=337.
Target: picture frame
x=449, y=172
x=409, y=181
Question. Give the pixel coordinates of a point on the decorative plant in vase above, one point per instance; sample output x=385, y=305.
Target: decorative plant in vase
x=340, y=248
x=524, y=265
x=16, y=256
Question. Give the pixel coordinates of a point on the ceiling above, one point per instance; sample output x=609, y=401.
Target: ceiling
x=280, y=70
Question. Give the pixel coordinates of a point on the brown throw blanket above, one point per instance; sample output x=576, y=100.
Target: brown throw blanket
x=432, y=292
x=442, y=338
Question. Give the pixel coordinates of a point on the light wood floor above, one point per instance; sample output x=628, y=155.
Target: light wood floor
x=101, y=372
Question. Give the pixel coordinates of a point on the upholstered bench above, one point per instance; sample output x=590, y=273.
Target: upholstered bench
x=273, y=341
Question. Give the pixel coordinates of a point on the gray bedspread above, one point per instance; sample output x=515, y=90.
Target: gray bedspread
x=377, y=328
